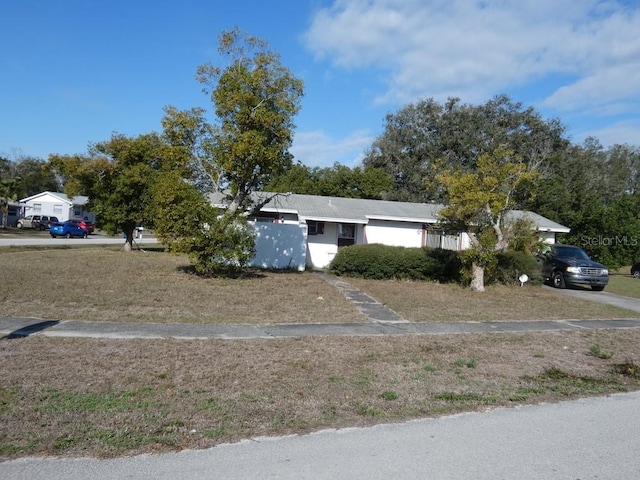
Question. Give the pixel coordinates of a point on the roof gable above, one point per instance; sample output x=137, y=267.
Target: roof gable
x=47, y=196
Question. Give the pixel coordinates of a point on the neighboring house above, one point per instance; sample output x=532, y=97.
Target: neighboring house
x=334, y=222
x=58, y=205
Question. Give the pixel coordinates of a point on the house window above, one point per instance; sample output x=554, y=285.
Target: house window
x=37, y=207
x=346, y=234
x=315, y=228
x=57, y=208
x=77, y=212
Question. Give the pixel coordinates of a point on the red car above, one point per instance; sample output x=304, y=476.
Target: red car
x=84, y=224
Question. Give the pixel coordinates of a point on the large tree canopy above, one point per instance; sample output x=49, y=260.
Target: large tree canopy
x=456, y=135
x=478, y=202
x=336, y=181
x=255, y=99
x=595, y=192
x=29, y=175
x=117, y=176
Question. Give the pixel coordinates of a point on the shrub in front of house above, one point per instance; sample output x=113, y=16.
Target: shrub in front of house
x=376, y=261
x=447, y=266
x=511, y=265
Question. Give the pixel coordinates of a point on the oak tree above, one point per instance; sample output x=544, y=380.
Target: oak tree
x=477, y=202
x=255, y=99
x=117, y=176
x=455, y=135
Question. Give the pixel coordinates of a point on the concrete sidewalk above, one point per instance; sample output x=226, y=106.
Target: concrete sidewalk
x=24, y=327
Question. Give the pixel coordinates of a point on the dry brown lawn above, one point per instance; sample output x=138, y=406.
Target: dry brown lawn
x=109, y=285
x=121, y=397
x=434, y=302
x=75, y=396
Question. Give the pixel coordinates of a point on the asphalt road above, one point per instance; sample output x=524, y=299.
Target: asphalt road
x=95, y=239
x=596, y=438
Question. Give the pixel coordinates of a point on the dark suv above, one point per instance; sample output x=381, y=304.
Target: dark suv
x=567, y=265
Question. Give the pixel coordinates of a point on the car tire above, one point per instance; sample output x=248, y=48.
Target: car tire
x=597, y=288
x=67, y=235
x=557, y=280
x=19, y=225
x=636, y=274
x=53, y=236
x=85, y=235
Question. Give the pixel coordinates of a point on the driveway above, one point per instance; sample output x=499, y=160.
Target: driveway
x=629, y=303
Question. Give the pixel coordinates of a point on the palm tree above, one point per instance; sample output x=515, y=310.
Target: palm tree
x=7, y=194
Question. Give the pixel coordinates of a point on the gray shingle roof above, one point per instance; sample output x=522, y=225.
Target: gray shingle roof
x=356, y=210
x=353, y=209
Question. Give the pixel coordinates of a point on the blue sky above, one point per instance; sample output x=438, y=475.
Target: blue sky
x=72, y=72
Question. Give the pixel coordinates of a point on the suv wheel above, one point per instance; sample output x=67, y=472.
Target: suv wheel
x=19, y=224
x=557, y=280
x=636, y=273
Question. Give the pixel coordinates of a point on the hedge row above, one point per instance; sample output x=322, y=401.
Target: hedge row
x=383, y=262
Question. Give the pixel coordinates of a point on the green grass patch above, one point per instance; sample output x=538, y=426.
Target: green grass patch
x=596, y=351
x=389, y=395
x=54, y=401
x=465, y=362
x=366, y=410
x=561, y=383
x=624, y=285
x=628, y=369
x=467, y=397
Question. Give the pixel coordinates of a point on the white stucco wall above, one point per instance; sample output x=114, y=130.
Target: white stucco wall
x=322, y=248
x=280, y=246
x=397, y=234
x=548, y=237
x=50, y=206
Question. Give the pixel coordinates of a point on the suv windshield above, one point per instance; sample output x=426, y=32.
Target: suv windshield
x=571, y=252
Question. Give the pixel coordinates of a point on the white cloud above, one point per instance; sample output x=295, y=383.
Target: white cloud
x=618, y=133
x=601, y=91
x=475, y=49
x=317, y=149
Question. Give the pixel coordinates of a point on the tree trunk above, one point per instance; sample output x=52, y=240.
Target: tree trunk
x=477, y=282
x=5, y=213
x=128, y=242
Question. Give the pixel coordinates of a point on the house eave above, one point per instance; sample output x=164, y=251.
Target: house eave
x=319, y=218
x=391, y=218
